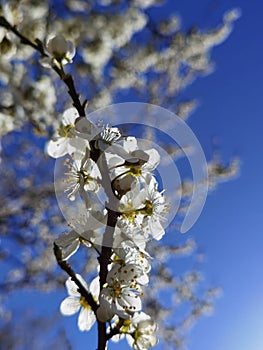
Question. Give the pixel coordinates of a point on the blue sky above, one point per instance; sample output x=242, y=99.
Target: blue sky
x=230, y=227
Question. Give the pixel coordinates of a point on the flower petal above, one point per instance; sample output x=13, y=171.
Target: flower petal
x=130, y=144
x=154, y=159
x=69, y=116
x=57, y=148
x=131, y=301
x=72, y=288
x=130, y=340
x=78, y=146
x=94, y=287
x=86, y=319
x=69, y=306
x=156, y=228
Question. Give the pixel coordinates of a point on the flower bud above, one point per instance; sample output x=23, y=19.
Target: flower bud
x=123, y=184
x=104, y=314
x=61, y=49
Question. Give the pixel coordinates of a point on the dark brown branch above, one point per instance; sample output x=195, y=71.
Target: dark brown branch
x=102, y=336
x=107, y=243
x=68, y=80
x=115, y=330
x=67, y=268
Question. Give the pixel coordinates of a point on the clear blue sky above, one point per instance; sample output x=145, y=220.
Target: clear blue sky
x=229, y=230
x=230, y=227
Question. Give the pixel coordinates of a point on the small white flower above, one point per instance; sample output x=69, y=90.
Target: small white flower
x=90, y=226
x=130, y=159
x=142, y=332
x=147, y=160
x=125, y=229
x=129, y=165
x=65, y=140
x=85, y=231
x=131, y=202
x=121, y=294
x=83, y=175
x=154, y=209
x=61, y=50
x=130, y=254
x=90, y=220
x=107, y=138
x=145, y=207
x=75, y=302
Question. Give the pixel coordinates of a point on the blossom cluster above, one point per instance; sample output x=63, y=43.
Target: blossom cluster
x=98, y=158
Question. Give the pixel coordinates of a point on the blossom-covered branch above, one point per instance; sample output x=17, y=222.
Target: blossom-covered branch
x=98, y=158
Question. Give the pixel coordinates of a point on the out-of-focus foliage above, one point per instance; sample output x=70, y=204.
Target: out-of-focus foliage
x=121, y=51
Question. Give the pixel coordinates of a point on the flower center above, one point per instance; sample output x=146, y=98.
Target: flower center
x=84, y=174
x=63, y=130
x=130, y=216
x=116, y=289
x=135, y=172
x=84, y=303
x=148, y=208
x=126, y=326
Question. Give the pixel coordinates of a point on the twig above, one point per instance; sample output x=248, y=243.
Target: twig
x=115, y=330
x=67, y=268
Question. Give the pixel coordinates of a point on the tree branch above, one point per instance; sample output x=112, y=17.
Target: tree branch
x=67, y=268
x=107, y=243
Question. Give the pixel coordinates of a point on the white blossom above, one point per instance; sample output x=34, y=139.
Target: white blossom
x=82, y=175
x=69, y=242
x=145, y=207
x=61, y=50
x=129, y=164
x=129, y=156
x=121, y=294
x=89, y=226
x=127, y=230
x=154, y=210
x=75, y=302
x=130, y=254
x=142, y=331
x=66, y=139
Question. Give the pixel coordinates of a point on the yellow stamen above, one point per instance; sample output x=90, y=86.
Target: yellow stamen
x=63, y=130
x=84, y=303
